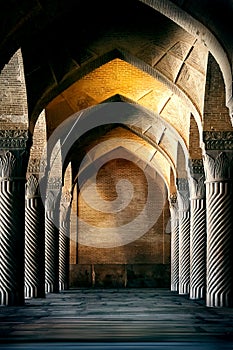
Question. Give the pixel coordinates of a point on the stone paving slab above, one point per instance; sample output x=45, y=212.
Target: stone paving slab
x=151, y=315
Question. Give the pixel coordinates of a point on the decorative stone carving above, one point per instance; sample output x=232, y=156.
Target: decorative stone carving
x=219, y=168
x=173, y=199
x=183, y=201
x=7, y=165
x=50, y=201
x=13, y=164
x=54, y=183
x=197, y=188
x=36, y=166
x=182, y=184
x=13, y=139
x=32, y=187
x=196, y=167
x=218, y=140
x=65, y=206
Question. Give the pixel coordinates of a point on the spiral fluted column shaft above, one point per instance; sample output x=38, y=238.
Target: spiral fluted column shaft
x=174, y=253
x=184, y=252
x=197, y=248
x=64, y=248
x=12, y=198
x=219, y=244
x=51, y=254
x=34, y=248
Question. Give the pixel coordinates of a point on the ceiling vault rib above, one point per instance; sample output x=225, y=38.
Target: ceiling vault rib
x=165, y=104
x=144, y=95
x=185, y=59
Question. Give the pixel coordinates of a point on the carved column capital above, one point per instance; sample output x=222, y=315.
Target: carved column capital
x=50, y=201
x=197, y=179
x=182, y=194
x=218, y=168
x=173, y=205
x=32, y=187
x=197, y=187
x=183, y=201
x=65, y=205
x=13, y=164
x=7, y=165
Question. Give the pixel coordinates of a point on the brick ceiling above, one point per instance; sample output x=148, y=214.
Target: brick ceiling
x=78, y=54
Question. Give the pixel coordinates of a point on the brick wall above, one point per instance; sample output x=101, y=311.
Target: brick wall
x=152, y=248
x=13, y=99
x=194, y=142
x=216, y=114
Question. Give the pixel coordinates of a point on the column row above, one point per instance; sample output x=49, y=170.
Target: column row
x=201, y=237
x=34, y=252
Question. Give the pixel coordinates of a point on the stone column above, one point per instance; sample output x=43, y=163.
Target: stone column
x=64, y=241
x=197, y=230
x=34, y=241
x=174, y=243
x=184, y=235
x=219, y=279
x=13, y=162
x=51, y=244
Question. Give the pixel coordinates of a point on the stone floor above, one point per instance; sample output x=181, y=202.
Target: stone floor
x=115, y=319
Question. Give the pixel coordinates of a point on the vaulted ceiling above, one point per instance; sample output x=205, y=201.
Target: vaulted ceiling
x=154, y=54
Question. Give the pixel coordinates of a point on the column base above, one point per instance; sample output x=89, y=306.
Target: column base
x=51, y=288
x=63, y=286
x=10, y=299
x=219, y=300
x=34, y=292
x=184, y=289
x=175, y=287
x=196, y=293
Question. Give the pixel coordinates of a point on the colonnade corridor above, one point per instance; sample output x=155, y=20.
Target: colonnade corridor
x=127, y=318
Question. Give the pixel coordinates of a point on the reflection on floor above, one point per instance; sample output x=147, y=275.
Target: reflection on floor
x=128, y=318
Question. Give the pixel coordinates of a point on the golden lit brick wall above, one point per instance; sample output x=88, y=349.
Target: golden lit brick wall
x=152, y=247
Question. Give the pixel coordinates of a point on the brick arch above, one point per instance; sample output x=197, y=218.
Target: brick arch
x=137, y=117
x=200, y=31
x=119, y=151
x=106, y=58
